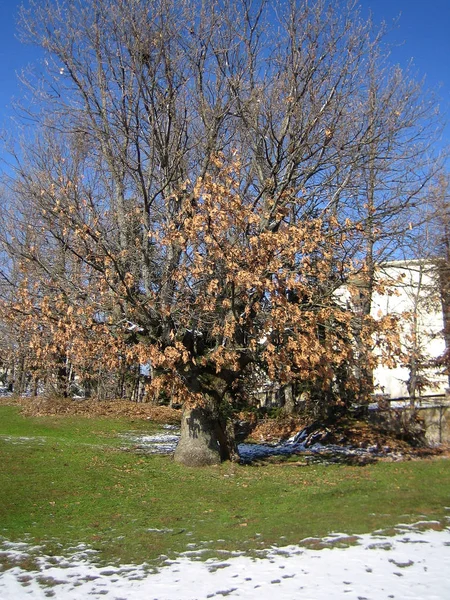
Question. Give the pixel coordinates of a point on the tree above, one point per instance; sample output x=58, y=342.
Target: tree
x=194, y=191
x=394, y=178
x=437, y=236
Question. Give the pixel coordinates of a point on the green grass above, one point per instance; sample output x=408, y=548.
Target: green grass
x=71, y=482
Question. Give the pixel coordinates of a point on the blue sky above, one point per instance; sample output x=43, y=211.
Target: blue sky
x=422, y=34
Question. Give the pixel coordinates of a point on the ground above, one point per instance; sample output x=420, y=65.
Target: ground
x=345, y=432
x=406, y=561
x=410, y=562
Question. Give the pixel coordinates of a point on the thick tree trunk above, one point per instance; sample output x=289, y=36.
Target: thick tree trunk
x=205, y=439
x=207, y=432
x=199, y=443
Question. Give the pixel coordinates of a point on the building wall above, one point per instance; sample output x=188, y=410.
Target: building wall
x=411, y=291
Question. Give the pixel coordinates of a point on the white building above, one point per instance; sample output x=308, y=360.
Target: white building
x=411, y=290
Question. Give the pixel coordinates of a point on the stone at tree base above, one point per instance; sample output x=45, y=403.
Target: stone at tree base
x=199, y=445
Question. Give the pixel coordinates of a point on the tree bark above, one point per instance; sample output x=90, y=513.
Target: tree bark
x=207, y=437
x=199, y=443
x=289, y=399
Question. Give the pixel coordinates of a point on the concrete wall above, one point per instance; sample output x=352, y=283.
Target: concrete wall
x=437, y=423
x=434, y=416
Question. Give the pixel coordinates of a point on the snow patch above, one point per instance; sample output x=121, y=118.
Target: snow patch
x=162, y=443
x=165, y=443
x=16, y=439
x=411, y=564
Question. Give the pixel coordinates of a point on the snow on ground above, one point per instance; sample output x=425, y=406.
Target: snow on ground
x=160, y=443
x=411, y=565
x=165, y=443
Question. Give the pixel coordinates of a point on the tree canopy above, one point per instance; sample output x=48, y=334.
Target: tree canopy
x=198, y=182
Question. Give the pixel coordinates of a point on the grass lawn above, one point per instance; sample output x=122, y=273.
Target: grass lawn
x=65, y=480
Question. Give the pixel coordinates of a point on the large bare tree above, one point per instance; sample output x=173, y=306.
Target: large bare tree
x=199, y=183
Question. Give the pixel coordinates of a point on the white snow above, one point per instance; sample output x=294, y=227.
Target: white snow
x=162, y=443
x=166, y=444
x=16, y=439
x=411, y=565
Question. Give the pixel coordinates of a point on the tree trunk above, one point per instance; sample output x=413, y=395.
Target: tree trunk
x=289, y=400
x=62, y=378
x=199, y=443
x=20, y=377
x=205, y=438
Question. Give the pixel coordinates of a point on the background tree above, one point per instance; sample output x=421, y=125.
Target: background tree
x=437, y=236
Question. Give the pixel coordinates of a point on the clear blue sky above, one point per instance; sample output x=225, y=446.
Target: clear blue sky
x=422, y=34
x=12, y=55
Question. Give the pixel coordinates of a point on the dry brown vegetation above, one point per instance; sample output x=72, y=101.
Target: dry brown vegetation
x=48, y=406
